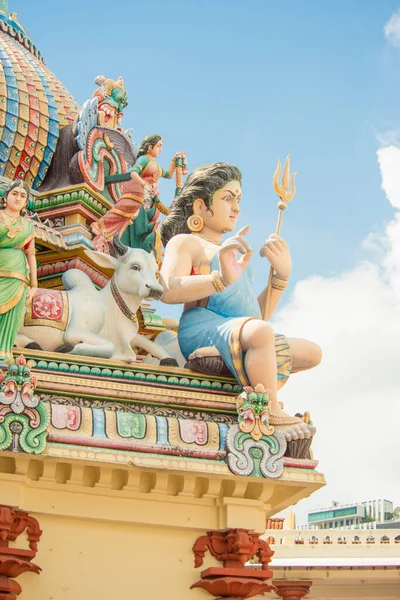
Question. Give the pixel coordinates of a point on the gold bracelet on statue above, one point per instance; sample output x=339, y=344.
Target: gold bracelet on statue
x=34, y=283
x=279, y=284
x=30, y=251
x=217, y=282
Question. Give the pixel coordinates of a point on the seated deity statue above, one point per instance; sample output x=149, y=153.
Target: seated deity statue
x=214, y=280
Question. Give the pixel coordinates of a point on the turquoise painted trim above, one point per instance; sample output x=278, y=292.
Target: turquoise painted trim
x=99, y=423
x=223, y=432
x=162, y=431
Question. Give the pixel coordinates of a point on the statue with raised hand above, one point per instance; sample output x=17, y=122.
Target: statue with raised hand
x=140, y=187
x=214, y=279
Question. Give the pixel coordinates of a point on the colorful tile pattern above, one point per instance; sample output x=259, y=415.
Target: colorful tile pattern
x=34, y=106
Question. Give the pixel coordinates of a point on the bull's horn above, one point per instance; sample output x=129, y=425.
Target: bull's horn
x=119, y=246
x=153, y=250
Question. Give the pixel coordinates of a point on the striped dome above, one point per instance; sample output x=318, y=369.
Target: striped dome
x=34, y=106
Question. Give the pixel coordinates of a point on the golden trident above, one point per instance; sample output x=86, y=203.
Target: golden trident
x=286, y=192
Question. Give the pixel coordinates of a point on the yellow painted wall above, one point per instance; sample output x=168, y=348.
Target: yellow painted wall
x=125, y=532
x=93, y=560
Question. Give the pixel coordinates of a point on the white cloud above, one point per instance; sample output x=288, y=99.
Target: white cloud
x=354, y=395
x=392, y=29
x=389, y=162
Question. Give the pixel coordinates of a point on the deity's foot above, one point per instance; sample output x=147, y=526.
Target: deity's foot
x=293, y=428
x=297, y=432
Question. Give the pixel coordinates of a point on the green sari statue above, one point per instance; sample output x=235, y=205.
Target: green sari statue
x=17, y=252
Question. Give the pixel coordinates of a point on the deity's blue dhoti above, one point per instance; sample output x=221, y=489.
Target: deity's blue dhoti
x=220, y=323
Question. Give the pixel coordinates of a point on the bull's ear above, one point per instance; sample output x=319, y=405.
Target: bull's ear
x=103, y=260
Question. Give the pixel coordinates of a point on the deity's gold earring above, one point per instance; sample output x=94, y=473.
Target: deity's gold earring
x=195, y=223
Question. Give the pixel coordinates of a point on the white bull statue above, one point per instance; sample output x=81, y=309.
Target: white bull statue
x=102, y=323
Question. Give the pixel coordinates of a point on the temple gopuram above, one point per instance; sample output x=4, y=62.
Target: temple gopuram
x=126, y=468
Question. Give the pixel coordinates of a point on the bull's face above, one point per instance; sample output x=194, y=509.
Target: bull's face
x=136, y=272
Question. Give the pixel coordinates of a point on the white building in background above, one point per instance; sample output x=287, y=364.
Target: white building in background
x=378, y=509
x=349, y=515
x=336, y=563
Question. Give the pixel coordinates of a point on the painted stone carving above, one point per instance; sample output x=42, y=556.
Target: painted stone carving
x=14, y=560
x=253, y=446
x=17, y=264
x=23, y=418
x=133, y=431
x=112, y=99
x=222, y=316
x=135, y=215
x=262, y=458
x=234, y=548
x=100, y=323
x=253, y=413
x=34, y=110
x=95, y=145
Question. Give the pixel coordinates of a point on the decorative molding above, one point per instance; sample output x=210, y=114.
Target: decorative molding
x=144, y=409
x=234, y=548
x=21, y=38
x=292, y=590
x=251, y=458
x=24, y=419
x=82, y=195
x=56, y=267
x=130, y=414
x=15, y=561
x=254, y=449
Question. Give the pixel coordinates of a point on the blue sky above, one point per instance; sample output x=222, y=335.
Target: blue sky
x=246, y=83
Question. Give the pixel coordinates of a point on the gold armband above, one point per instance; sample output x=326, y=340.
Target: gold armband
x=217, y=282
x=279, y=284
x=34, y=283
x=30, y=251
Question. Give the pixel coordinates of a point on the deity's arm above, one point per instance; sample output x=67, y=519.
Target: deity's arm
x=169, y=174
x=276, y=251
x=179, y=285
x=134, y=173
x=273, y=303
x=31, y=260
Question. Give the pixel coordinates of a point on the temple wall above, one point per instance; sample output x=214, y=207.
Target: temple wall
x=93, y=559
x=112, y=531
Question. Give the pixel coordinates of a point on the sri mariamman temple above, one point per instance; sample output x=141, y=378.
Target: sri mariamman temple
x=140, y=456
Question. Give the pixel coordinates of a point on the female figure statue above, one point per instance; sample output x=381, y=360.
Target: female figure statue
x=141, y=187
x=147, y=171
x=17, y=264
x=222, y=314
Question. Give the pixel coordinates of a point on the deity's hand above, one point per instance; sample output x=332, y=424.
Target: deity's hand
x=31, y=292
x=277, y=252
x=231, y=268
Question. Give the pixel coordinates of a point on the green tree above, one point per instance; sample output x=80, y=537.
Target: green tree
x=367, y=520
